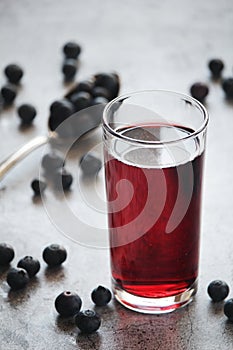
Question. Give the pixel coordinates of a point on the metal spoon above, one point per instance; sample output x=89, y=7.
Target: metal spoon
x=71, y=130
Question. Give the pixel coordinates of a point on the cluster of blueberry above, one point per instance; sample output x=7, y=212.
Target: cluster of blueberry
x=200, y=90
x=67, y=304
x=72, y=51
x=98, y=90
x=218, y=291
x=54, y=171
x=28, y=267
x=14, y=74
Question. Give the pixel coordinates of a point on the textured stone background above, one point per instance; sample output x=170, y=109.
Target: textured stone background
x=151, y=44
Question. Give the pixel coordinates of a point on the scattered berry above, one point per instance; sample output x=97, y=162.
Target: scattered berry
x=54, y=254
x=38, y=186
x=81, y=100
x=108, y=81
x=101, y=296
x=31, y=265
x=227, y=86
x=52, y=162
x=199, y=91
x=228, y=309
x=6, y=254
x=90, y=164
x=69, y=69
x=8, y=93
x=60, y=111
x=68, y=304
x=62, y=108
x=87, y=321
x=17, y=278
x=26, y=113
x=14, y=73
x=218, y=290
x=72, y=50
x=216, y=66
x=63, y=179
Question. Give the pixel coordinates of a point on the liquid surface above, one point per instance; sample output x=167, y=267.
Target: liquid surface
x=165, y=155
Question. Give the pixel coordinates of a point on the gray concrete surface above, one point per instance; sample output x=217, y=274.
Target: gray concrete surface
x=152, y=45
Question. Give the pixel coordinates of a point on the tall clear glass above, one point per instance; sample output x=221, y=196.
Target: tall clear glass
x=154, y=145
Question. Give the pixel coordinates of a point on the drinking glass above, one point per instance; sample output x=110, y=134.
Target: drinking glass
x=154, y=145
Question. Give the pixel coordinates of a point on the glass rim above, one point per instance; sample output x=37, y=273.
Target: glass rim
x=186, y=97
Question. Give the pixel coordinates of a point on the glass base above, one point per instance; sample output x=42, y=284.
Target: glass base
x=154, y=305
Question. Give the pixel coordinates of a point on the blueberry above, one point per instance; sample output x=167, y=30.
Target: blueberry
x=26, y=113
x=54, y=254
x=69, y=69
x=17, y=278
x=99, y=91
x=60, y=111
x=54, y=122
x=101, y=296
x=72, y=50
x=108, y=81
x=227, y=86
x=52, y=162
x=90, y=164
x=216, y=66
x=68, y=304
x=6, y=254
x=228, y=309
x=31, y=265
x=87, y=321
x=218, y=290
x=62, y=108
x=55, y=106
x=38, y=186
x=14, y=73
x=63, y=179
x=8, y=93
x=199, y=91
x=81, y=100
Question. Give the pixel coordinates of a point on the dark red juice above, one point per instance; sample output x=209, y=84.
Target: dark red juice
x=154, y=224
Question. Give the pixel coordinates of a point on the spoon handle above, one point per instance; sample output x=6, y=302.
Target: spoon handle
x=15, y=157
